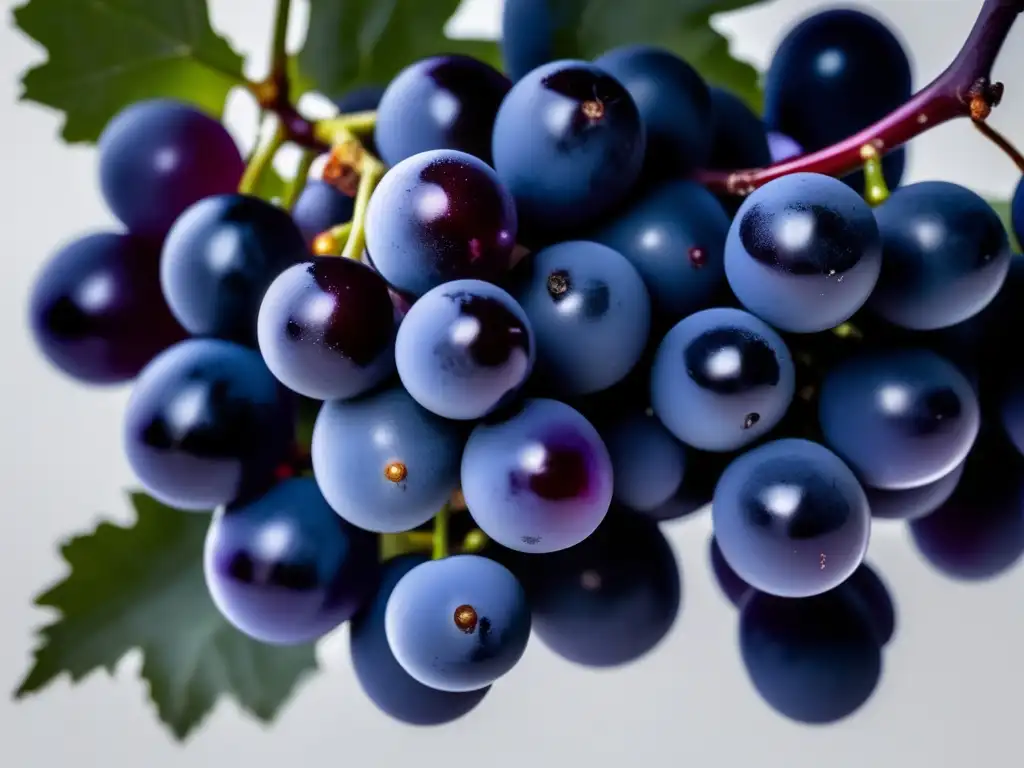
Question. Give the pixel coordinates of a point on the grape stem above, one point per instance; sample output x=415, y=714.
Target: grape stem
x=964, y=89
x=298, y=182
x=876, y=190
x=1002, y=142
x=261, y=160
x=370, y=176
x=440, y=536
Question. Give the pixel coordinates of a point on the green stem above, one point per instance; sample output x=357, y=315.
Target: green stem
x=278, y=51
x=338, y=130
x=331, y=242
x=441, y=534
x=298, y=183
x=372, y=171
x=261, y=160
x=876, y=191
x=475, y=541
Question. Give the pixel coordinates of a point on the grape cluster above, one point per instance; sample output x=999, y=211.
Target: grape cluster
x=555, y=340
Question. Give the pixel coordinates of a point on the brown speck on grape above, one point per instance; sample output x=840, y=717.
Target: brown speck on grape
x=751, y=420
x=558, y=283
x=592, y=109
x=698, y=257
x=466, y=618
x=396, y=472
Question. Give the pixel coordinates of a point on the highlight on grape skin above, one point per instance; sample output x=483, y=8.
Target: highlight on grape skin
x=791, y=519
x=539, y=481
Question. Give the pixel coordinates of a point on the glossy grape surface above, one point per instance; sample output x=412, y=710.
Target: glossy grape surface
x=945, y=256
x=590, y=314
x=96, y=309
x=739, y=138
x=219, y=259
x=834, y=74
x=648, y=463
x=721, y=379
x=901, y=419
x=464, y=349
x=326, y=328
x=803, y=253
x=458, y=624
x=569, y=144
x=382, y=678
x=206, y=424
x=791, y=518
x=284, y=569
x=913, y=503
x=538, y=481
x=440, y=216
x=441, y=102
x=674, y=235
x=158, y=157
x=321, y=206
x=383, y=462
x=609, y=600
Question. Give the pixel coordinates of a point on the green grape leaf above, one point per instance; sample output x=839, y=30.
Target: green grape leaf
x=142, y=587
x=584, y=29
x=352, y=43
x=106, y=54
x=1002, y=207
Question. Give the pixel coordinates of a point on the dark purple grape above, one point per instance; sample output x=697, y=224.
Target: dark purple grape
x=382, y=678
x=539, y=481
x=326, y=328
x=610, y=599
x=96, y=309
x=648, y=463
x=791, y=518
x=815, y=660
x=158, y=157
x=440, y=216
x=366, y=98
x=739, y=138
x=284, y=569
x=207, y=424
x=219, y=259
x=442, y=102
x=913, y=503
x=320, y=207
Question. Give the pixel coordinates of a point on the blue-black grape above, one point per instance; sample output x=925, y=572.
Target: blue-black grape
x=791, y=518
x=675, y=237
x=284, y=569
x=326, y=328
x=459, y=623
x=610, y=599
x=569, y=145
x=383, y=462
x=219, y=259
x=648, y=463
x=674, y=104
x=207, y=424
x=96, y=309
x=703, y=468
x=440, y=216
x=321, y=206
x=913, y=503
x=834, y=74
x=528, y=32
x=538, y=481
x=365, y=98
x=945, y=255
x=1017, y=211
x=464, y=349
x=901, y=418
x=803, y=253
x=590, y=314
x=442, y=102
x=382, y=678
x=158, y=157
x=739, y=138
x=815, y=660
x=782, y=147
x=721, y=379
x=978, y=533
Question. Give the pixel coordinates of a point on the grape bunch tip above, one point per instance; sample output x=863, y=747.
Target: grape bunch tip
x=586, y=298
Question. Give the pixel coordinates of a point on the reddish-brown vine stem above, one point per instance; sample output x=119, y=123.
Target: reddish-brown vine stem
x=964, y=89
